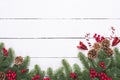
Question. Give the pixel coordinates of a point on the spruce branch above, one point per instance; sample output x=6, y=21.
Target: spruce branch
x=102, y=55
x=11, y=56
x=38, y=71
x=59, y=74
x=84, y=60
x=25, y=63
x=77, y=70
x=50, y=73
x=1, y=46
x=67, y=69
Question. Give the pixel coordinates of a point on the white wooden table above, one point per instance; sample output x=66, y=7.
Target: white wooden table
x=50, y=30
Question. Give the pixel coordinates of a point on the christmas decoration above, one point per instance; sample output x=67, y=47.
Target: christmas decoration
x=73, y=75
x=18, y=60
x=113, y=32
x=108, y=51
x=92, y=54
x=93, y=73
x=96, y=46
x=87, y=39
x=5, y=52
x=105, y=43
x=103, y=76
x=2, y=76
x=101, y=63
x=36, y=77
x=24, y=70
x=47, y=78
x=115, y=41
x=11, y=75
x=98, y=38
x=82, y=46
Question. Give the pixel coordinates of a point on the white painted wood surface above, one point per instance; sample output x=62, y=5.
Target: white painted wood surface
x=50, y=30
x=60, y=8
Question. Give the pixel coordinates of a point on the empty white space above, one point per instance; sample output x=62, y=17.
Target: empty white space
x=60, y=8
x=50, y=27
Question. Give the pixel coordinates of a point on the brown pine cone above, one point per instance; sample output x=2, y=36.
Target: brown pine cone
x=2, y=76
x=92, y=54
x=18, y=60
x=96, y=46
x=108, y=51
x=105, y=43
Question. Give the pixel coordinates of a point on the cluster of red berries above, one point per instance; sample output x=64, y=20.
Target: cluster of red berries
x=36, y=77
x=101, y=75
x=98, y=38
x=93, y=73
x=102, y=64
x=5, y=52
x=11, y=75
x=23, y=70
x=47, y=78
x=73, y=75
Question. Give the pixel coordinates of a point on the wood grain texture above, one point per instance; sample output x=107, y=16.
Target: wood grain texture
x=44, y=63
x=56, y=28
x=60, y=8
x=50, y=30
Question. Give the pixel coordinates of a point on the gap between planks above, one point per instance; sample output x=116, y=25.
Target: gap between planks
x=47, y=37
x=24, y=18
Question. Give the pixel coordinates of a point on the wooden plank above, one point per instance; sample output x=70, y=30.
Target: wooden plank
x=62, y=8
x=43, y=48
x=54, y=63
x=55, y=28
x=48, y=48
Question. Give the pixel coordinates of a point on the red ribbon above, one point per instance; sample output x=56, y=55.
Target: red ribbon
x=82, y=46
x=115, y=41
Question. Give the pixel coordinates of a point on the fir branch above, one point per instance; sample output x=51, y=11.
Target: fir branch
x=50, y=73
x=38, y=71
x=11, y=56
x=67, y=68
x=107, y=62
x=101, y=55
x=77, y=70
x=86, y=75
x=59, y=74
x=84, y=60
x=117, y=57
x=1, y=46
x=25, y=63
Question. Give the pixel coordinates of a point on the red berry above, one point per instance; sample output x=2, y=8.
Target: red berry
x=5, y=52
x=93, y=73
x=47, y=78
x=102, y=64
x=98, y=38
x=37, y=76
x=73, y=75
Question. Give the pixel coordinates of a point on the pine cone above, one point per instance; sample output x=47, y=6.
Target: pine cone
x=96, y=46
x=108, y=51
x=105, y=43
x=18, y=60
x=2, y=76
x=92, y=54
